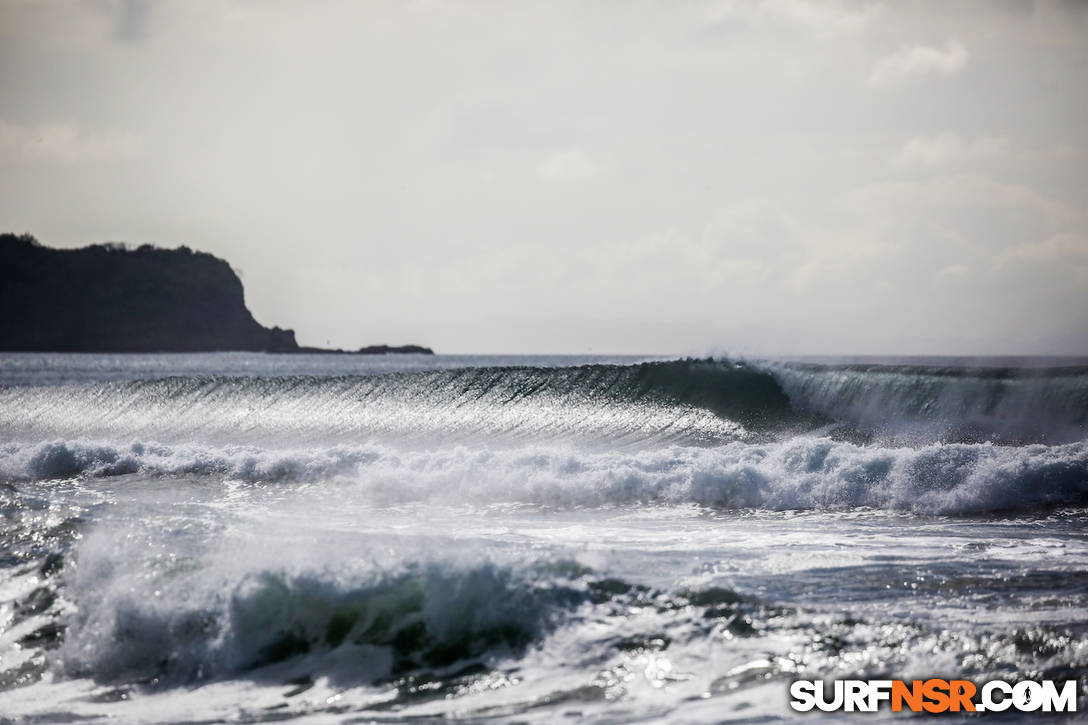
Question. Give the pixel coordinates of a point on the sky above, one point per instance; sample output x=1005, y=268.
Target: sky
x=765, y=177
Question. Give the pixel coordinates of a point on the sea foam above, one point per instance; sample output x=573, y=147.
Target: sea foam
x=801, y=473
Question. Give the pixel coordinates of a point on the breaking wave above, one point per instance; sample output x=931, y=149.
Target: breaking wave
x=428, y=627
x=683, y=402
x=686, y=402
x=210, y=624
x=800, y=473
x=717, y=433
x=930, y=403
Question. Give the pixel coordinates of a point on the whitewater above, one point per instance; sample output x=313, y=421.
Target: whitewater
x=339, y=538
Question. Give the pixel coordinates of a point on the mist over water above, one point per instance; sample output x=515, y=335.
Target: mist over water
x=257, y=537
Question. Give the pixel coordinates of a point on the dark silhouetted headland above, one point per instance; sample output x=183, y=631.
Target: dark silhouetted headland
x=109, y=298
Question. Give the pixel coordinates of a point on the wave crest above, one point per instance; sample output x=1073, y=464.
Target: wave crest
x=918, y=404
x=191, y=629
x=692, y=402
x=801, y=473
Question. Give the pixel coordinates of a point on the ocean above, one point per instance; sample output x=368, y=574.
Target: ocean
x=336, y=538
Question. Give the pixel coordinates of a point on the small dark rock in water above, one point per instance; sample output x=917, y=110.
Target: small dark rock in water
x=371, y=350
x=398, y=349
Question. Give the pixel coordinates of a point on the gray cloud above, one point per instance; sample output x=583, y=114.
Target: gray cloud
x=949, y=149
x=919, y=60
x=788, y=174
x=133, y=19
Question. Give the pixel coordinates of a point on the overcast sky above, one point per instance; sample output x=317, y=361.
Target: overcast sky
x=649, y=177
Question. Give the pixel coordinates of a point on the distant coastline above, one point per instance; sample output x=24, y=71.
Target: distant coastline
x=111, y=298
x=371, y=350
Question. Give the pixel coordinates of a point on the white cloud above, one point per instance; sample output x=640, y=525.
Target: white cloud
x=949, y=149
x=953, y=271
x=1066, y=248
x=569, y=165
x=826, y=16
x=972, y=192
x=62, y=143
x=753, y=228
x=918, y=60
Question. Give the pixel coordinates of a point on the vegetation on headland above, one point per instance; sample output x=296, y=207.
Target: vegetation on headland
x=116, y=298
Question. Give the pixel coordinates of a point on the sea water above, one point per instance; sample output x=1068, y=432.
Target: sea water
x=339, y=538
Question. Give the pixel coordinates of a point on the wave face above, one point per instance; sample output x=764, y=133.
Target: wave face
x=697, y=402
x=687, y=402
x=218, y=621
x=725, y=434
x=930, y=403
